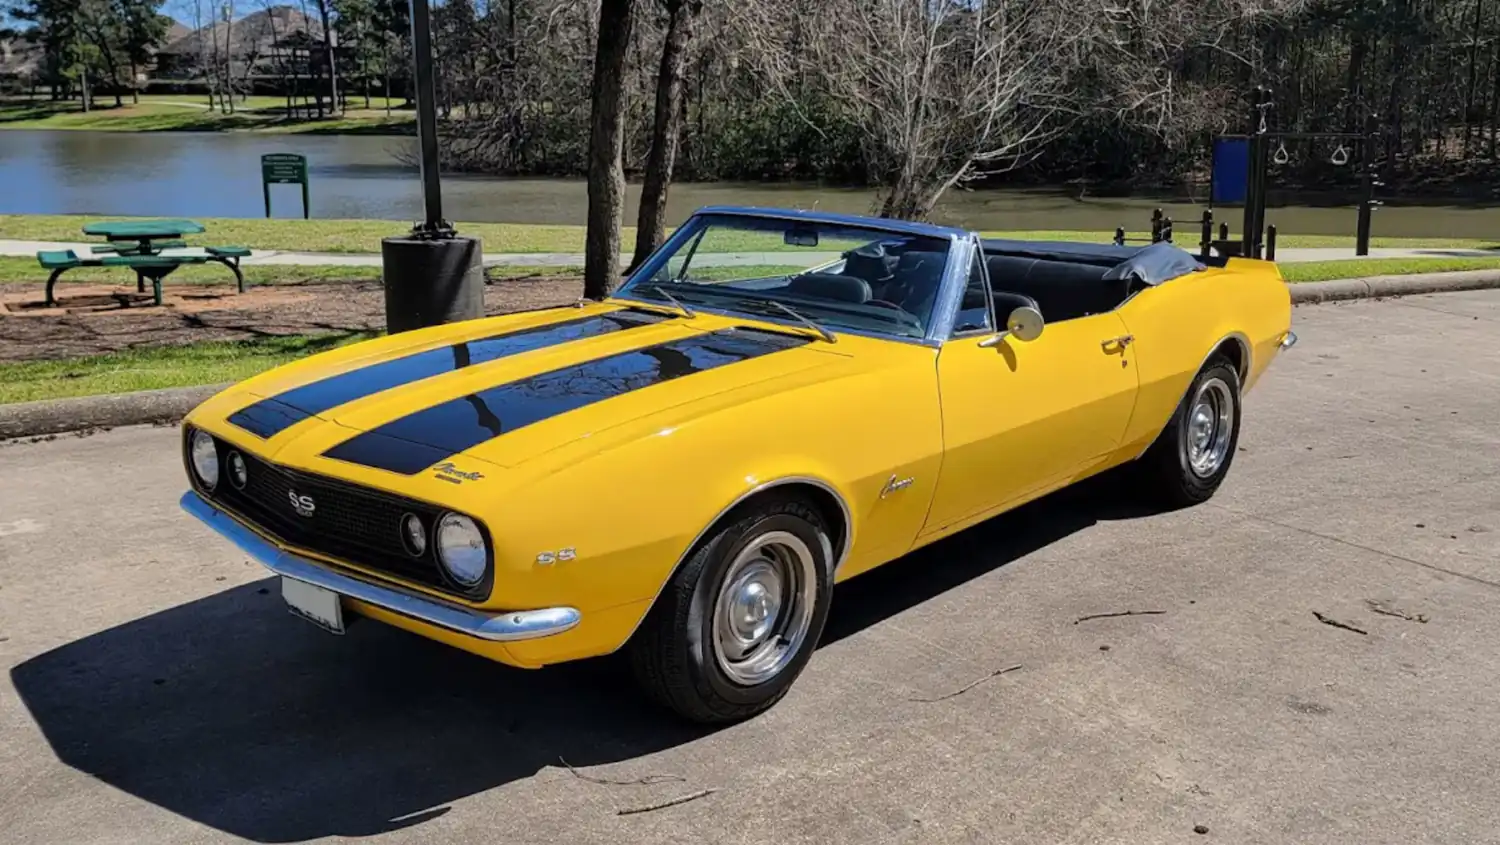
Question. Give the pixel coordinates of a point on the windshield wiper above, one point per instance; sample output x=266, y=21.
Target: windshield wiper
x=789, y=311
x=686, y=311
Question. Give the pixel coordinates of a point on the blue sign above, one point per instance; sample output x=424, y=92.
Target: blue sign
x=1231, y=170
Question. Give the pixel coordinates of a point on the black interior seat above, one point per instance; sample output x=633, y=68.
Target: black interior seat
x=1006, y=302
x=831, y=286
x=1061, y=289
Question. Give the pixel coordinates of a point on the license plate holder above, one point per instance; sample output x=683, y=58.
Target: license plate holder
x=320, y=606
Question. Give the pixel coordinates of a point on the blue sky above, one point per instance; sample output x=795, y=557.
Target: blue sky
x=182, y=10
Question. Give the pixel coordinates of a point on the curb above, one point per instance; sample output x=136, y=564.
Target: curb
x=54, y=416
x=1381, y=286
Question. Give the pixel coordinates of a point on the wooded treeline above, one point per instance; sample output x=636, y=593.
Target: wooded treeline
x=771, y=89
x=1128, y=89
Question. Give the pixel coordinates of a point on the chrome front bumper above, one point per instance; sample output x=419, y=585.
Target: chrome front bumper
x=499, y=627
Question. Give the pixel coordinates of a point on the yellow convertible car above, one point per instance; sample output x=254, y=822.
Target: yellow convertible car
x=776, y=401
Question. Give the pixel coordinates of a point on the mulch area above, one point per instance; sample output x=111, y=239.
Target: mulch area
x=95, y=319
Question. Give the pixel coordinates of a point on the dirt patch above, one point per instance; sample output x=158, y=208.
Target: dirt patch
x=96, y=319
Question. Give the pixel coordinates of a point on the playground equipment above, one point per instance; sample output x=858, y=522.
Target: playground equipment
x=1240, y=168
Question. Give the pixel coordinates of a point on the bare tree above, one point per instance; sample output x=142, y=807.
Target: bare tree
x=940, y=91
x=666, y=128
x=601, y=267
x=330, y=58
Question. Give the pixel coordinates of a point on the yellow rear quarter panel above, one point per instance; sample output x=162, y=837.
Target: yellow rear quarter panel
x=1178, y=324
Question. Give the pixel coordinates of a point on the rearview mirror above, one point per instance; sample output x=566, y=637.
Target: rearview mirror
x=800, y=237
x=1024, y=324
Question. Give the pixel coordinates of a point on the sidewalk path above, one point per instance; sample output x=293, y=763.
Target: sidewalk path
x=566, y=259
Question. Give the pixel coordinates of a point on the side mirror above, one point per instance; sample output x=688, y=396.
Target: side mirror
x=1024, y=324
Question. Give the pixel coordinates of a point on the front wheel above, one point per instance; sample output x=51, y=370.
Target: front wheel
x=1189, y=460
x=740, y=618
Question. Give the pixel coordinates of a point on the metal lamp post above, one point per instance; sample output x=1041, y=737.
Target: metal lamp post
x=432, y=275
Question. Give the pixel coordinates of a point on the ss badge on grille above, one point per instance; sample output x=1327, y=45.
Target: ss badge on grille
x=303, y=505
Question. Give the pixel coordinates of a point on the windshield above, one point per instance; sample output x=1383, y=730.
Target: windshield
x=836, y=276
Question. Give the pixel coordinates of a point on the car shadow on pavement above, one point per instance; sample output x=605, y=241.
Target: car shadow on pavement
x=227, y=711
x=952, y=562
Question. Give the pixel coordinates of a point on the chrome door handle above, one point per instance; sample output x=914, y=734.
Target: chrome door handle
x=1117, y=343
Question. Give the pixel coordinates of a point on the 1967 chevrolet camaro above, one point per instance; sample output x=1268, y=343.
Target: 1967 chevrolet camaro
x=776, y=401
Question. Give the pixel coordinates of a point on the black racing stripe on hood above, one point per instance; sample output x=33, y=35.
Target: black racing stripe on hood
x=413, y=443
x=271, y=416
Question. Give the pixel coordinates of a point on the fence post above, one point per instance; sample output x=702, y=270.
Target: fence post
x=1271, y=242
x=1119, y=236
x=1166, y=229
x=1205, y=243
x=1371, y=181
x=1156, y=226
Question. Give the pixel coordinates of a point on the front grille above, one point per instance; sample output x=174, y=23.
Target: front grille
x=347, y=523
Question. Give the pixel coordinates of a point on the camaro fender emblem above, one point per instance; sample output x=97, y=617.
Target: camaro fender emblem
x=896, y=485
x=303, y=505
x=448, y=472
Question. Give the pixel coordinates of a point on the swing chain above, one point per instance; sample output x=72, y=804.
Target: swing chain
x=1340, y=156
x=1281, y=156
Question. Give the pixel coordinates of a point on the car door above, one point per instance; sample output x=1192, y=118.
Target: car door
x=1021, y=417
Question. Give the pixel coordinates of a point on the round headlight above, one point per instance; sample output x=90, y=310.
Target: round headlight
x=414, y=535
x=461, y=548
x=238, y=472
x=205, y=459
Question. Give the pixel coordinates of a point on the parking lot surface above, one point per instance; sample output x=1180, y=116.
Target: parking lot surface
x=157, y=690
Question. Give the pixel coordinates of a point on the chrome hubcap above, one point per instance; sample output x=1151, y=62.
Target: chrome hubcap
x=1210, y=426
x=764, y=608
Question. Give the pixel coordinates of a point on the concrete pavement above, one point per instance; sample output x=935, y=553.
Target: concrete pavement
x=158, y=692
x=563, y=259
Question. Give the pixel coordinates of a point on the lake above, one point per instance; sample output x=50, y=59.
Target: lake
x=218, y=175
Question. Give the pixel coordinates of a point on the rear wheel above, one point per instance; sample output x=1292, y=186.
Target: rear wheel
x=1189, y=460
x=740, y=618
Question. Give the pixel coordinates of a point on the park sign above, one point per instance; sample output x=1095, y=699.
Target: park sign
x=283, y=169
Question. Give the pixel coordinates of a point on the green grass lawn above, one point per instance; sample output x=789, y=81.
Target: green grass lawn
x=168, y=366
x=310, y=235
x=365, y=235
x=26, y=270
x=1323, y=271
x=17, y=269
x=187, y=114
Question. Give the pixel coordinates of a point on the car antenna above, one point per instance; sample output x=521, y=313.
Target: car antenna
x=686, y=311
x=822, y=332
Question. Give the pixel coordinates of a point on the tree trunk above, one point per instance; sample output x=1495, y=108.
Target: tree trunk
x=1354, y=115
x=333, y=73
x=666, y=133
x=1474, y=33
x=606, y=177
x=83, y=75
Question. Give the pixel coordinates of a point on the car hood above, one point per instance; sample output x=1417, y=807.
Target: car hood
x=504, y=390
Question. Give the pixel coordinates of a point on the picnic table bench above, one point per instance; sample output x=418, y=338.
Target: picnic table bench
x=141, y=245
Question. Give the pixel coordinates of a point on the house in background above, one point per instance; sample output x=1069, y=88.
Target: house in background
x=20, y=65
x=278, y=50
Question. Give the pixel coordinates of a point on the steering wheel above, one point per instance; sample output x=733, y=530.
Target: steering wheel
x=906, y=316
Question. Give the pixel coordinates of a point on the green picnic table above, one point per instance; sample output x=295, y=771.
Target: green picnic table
x=142, y=246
